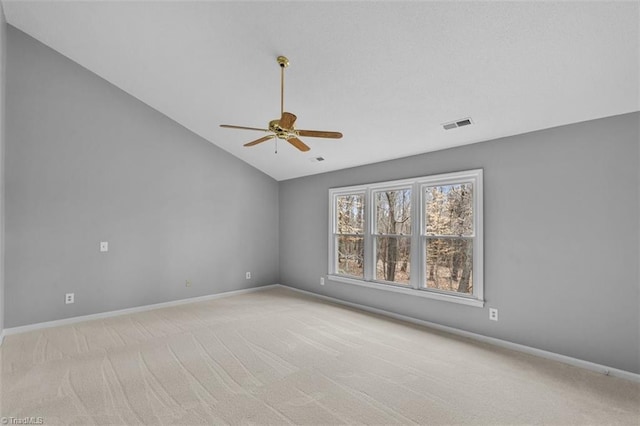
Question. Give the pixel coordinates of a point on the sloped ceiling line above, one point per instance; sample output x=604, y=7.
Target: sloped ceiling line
x=385, y=74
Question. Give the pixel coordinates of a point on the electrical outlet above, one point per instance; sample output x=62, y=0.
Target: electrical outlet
x=187, y=283
x=321, y=280
x=493, y=314
x=104, y=246
x=248, y=275
x=69, y=298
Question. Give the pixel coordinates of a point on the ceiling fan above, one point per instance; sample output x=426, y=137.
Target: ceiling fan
x=283, y=127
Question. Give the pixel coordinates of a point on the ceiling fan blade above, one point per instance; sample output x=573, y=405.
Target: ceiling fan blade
x=287, y=120
x=298, y=144
x=319, y=134
x=228, y=126
x=257, y=141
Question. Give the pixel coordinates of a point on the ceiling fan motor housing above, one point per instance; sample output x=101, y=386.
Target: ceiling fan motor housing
x=281, y=133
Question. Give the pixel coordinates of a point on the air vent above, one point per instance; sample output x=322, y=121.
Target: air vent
x=458, y=123
x=316, y=159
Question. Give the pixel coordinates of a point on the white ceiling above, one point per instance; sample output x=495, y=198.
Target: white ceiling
x=386, y=74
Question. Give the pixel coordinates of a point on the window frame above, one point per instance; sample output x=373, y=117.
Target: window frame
x=417, y=269
x=333, y=229
x=396, y=186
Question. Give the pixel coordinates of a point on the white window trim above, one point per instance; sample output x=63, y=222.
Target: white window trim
x=418, y=264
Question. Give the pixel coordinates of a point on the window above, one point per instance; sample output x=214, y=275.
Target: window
x=392, y=235
x=419, y=236
x=449, y=237
x=349, y=235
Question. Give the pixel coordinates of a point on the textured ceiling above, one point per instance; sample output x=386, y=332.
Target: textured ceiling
x=386, y=74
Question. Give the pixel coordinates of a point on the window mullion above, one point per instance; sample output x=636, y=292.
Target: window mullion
x=332, y=234
x=369, y=261
x=416, y=226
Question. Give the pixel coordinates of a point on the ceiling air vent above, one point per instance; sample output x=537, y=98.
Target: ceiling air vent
x=457, y=123
x=316, y=159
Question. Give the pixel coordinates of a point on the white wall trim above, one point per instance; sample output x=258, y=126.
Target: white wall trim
x=108, y=314
x=469, y=301
x=598, y=368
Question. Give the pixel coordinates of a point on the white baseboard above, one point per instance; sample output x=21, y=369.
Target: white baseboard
x=101, y=315
x=603, y=369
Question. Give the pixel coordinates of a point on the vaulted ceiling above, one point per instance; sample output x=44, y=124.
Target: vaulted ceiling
x=386, y=74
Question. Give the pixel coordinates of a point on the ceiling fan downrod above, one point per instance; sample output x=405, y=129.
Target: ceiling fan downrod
x=284, y=62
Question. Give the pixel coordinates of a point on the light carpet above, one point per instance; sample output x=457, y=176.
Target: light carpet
x=279, y=357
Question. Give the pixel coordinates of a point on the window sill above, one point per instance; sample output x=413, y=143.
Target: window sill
x=409, y=291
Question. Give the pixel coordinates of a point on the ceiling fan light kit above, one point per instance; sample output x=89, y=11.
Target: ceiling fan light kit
x=283, y=128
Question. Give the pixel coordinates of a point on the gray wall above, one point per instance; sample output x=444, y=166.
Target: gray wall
x=88, y=163
x=3, y=49
x=561, y=239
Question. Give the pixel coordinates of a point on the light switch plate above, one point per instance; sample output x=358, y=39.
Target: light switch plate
x=104, y=246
